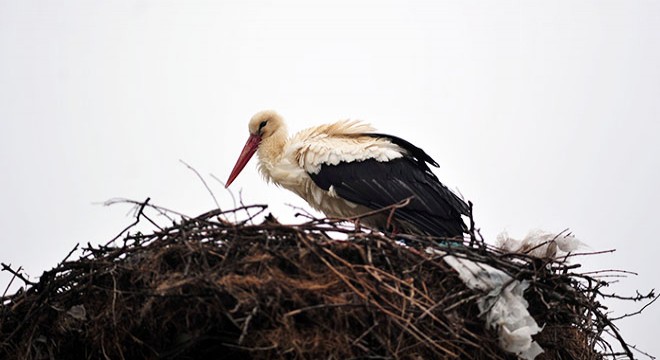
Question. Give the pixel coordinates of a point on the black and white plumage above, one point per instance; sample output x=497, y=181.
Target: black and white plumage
x=345, y=169
x=433, y=209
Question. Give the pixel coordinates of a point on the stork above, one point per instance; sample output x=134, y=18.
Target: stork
x=346, y=169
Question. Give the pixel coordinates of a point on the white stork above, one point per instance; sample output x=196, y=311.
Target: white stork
x=345, y=169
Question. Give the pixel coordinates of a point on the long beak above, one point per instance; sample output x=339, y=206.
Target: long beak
x=248, y=150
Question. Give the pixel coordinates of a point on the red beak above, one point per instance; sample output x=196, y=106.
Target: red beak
x=248, y=150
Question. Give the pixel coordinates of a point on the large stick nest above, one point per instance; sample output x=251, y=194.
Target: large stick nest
x=209, y=288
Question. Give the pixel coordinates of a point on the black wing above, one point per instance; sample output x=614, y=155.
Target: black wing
x=434, y=209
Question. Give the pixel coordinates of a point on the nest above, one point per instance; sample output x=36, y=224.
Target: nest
x=206, y=287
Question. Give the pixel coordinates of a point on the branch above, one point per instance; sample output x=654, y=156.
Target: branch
x=6, y=267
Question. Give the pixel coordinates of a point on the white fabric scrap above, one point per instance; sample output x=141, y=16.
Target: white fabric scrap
x=540, y=244
x=504, y=307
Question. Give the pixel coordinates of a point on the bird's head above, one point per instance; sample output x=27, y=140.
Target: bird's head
x=262, y=126
x=265, y=123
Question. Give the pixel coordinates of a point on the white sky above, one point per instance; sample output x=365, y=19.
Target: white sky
x=546, y=114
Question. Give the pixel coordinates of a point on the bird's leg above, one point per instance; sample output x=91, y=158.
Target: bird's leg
x=389, y=224
x=395, y=230
x=356, y=224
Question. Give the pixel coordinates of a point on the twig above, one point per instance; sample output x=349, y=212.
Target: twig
x=161, y=210
x=591, y=253
x=6, y=267
x=69, y=254
x=473, y=237
x=203, y=182
x=246, y=324
x=638, y=311
x=642, y=352
x=231, y=193
x=319, y=306
x=137, y=220
x=609, y=271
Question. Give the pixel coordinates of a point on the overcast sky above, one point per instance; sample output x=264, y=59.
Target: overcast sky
x=546, y=114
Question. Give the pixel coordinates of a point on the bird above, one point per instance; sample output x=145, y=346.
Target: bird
x=346, y=169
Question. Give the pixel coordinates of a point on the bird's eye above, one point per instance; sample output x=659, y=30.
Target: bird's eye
x=263, y=123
